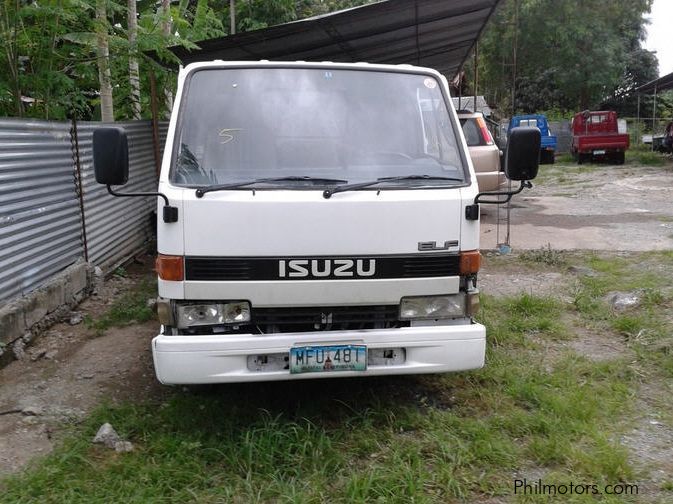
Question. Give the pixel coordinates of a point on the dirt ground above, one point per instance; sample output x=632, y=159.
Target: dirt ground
x=598, y=207
x=70, y=370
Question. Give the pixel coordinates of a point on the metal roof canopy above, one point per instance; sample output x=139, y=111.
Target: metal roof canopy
x=656, y=85
x=432, y=33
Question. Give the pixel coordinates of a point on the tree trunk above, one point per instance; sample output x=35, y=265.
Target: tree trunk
x=232, y=17
x=134, y=72
x=166, y=31
x=103, y=56
x=11, y=51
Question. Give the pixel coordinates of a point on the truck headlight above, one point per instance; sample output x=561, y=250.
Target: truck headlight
x=189, y=315
x=432, y=307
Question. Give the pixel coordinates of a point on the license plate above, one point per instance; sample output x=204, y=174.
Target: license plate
x=599, y=152
x=314, y=359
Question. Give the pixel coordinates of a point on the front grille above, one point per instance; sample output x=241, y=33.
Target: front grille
x=203, y=268
x=310, y=319
x=267, y=268
x=430, y=266
x=326, y=315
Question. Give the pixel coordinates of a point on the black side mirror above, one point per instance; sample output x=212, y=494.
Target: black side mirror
x=523, y=154
x=110, y=156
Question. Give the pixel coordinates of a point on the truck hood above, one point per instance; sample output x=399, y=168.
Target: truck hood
x=279, y=223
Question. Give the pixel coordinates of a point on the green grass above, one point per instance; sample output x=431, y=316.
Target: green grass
x=565, y=159
x=446, y=438
x=644, y=157
x=351, y=441
x=129, y=309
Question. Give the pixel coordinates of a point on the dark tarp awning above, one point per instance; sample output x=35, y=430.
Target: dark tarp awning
x=660, y=84
x=431, y=33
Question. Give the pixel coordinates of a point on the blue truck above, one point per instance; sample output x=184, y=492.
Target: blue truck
x=539, y=121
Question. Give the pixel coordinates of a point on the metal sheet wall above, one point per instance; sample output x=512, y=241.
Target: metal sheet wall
x=40, y=216
x=564, y=135
x=117, y=228
x=39, y=210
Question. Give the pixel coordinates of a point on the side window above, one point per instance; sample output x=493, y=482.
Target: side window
x=436, y=129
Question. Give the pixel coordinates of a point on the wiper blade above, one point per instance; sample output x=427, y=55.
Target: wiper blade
x=293, y=178
x=360, y=185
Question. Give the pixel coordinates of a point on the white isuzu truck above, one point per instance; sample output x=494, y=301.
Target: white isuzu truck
x=315, y=220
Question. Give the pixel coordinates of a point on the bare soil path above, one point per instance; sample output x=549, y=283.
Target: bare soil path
x=68, y=372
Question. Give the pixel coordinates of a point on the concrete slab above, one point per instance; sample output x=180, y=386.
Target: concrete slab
x=600, y=207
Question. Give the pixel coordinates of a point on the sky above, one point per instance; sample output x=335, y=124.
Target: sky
x=659, y=37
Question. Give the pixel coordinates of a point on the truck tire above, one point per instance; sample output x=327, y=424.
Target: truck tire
x=619, y=158
x=580, y=158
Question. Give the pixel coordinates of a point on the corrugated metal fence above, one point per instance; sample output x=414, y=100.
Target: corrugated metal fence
x=41, y=221
x=115, y=226
x=564, y=136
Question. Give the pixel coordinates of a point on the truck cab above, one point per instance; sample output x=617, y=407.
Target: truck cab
x=548, y=141
x=596, y=136
x=319, y=220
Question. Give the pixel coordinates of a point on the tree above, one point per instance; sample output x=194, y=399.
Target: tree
x=570, y=55
x=9, y=28
x=134, y=72
x=103, y=60
x=166, y=24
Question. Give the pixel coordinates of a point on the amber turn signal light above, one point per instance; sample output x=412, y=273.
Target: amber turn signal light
x=170, y=267
x=470, y=262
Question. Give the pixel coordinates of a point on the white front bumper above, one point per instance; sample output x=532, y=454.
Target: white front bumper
x=224, y=359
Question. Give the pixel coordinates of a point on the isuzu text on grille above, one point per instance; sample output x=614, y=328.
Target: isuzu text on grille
x=326, y=267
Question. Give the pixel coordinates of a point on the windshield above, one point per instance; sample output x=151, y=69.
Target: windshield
x=238, y=125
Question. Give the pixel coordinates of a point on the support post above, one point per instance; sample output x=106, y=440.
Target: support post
x=476, y=73
x=74, y=143
x=654, y=114
x=638, y=121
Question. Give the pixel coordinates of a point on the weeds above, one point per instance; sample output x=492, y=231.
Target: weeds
x=644, y=157
x=544, y=255
x=130, y=308
x=120, y=272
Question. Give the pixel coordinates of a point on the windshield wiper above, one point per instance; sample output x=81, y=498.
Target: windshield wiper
x=327, y=193
x=294, y=178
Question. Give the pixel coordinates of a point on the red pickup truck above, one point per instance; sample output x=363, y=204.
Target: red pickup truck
x=596, y=135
